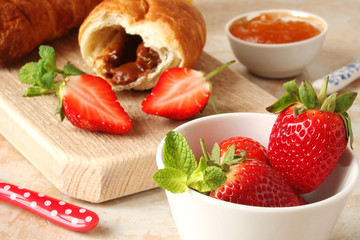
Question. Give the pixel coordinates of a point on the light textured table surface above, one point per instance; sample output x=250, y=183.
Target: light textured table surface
x=147, y=215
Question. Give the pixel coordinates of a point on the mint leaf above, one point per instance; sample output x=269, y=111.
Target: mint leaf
x=177, y=153
x=41, y=71
x=213, y=178
x=171, y=179
x=182, y=170
x=47, y=80
x=47, y=53
x=198, y=174
x=28, y=73
x=71, y=70
x=35, y=91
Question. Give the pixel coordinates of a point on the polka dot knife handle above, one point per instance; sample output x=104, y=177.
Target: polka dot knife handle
x=59, y=212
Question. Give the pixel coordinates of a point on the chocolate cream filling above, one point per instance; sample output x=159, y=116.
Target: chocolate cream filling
x=124, y=62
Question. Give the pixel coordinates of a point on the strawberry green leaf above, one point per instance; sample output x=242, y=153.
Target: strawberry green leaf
x=215, y=153
x=323, y=92
x=282, y=103
x=171, y=179
x=28, y=73
x=59, y=92
x=292, y=89
x=329, y=104
x=177, y=153
x=347, y=121
x=308, y=96
x=345, y=101
x=297, y=110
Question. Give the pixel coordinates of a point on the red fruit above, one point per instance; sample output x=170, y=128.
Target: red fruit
x=253, y=148
x=255, y=183
x=309, y=137
x=305, y=149
x=89, y=102
x=180, y=93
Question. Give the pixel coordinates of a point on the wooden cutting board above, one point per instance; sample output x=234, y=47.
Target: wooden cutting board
x=94, y=166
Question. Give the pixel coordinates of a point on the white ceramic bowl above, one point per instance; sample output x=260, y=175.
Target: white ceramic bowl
x=198, y=216
x=278, y=60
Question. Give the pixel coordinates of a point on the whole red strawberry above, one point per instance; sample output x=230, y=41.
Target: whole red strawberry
x=309, y=135
x=180, y=93
x=254, y=149
x=253, y=182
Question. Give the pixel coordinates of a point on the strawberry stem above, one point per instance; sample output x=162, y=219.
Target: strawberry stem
x=219, y=69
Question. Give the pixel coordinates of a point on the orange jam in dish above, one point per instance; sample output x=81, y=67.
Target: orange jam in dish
x=272, y=29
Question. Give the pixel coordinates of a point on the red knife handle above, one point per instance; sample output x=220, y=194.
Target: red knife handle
x=59, y=212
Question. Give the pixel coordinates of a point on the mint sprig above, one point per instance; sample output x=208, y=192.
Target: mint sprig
x=182, y=170
x=41, y=75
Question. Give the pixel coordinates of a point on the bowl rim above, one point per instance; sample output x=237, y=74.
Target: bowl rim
x=278, y=45
x=344, y=193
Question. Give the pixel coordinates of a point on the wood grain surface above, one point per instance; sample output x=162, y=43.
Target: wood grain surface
x=94, y=166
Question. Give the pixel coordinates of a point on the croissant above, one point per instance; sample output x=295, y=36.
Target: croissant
x=25, y=24
x=131, y=42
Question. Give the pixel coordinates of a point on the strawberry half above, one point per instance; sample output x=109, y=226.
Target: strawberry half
x=309, y=135
x=89, y=102
x=180, y=93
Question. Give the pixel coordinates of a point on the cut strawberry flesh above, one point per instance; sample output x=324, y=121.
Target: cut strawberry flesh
x=90, y=103
x=179, y=94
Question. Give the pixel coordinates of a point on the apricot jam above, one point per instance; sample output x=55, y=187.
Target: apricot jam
x=269, y=29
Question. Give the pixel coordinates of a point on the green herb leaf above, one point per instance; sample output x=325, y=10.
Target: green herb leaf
x=28, y=73
x=198, y=174
x=213, y=178
x=35, y=91
x=177, y=153
x=171, y=179
x=47, y=80
x=47, y=53
x=71, y=70
x=182, y=170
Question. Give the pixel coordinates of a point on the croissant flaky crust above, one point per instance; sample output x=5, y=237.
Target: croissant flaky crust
x=131, y=42
x=25, y=24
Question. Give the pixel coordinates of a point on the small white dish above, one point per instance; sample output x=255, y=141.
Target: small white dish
x=198, y=216
x=278, y=60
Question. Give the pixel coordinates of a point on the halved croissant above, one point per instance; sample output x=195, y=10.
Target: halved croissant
x=25, y=24
x=131, y=42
